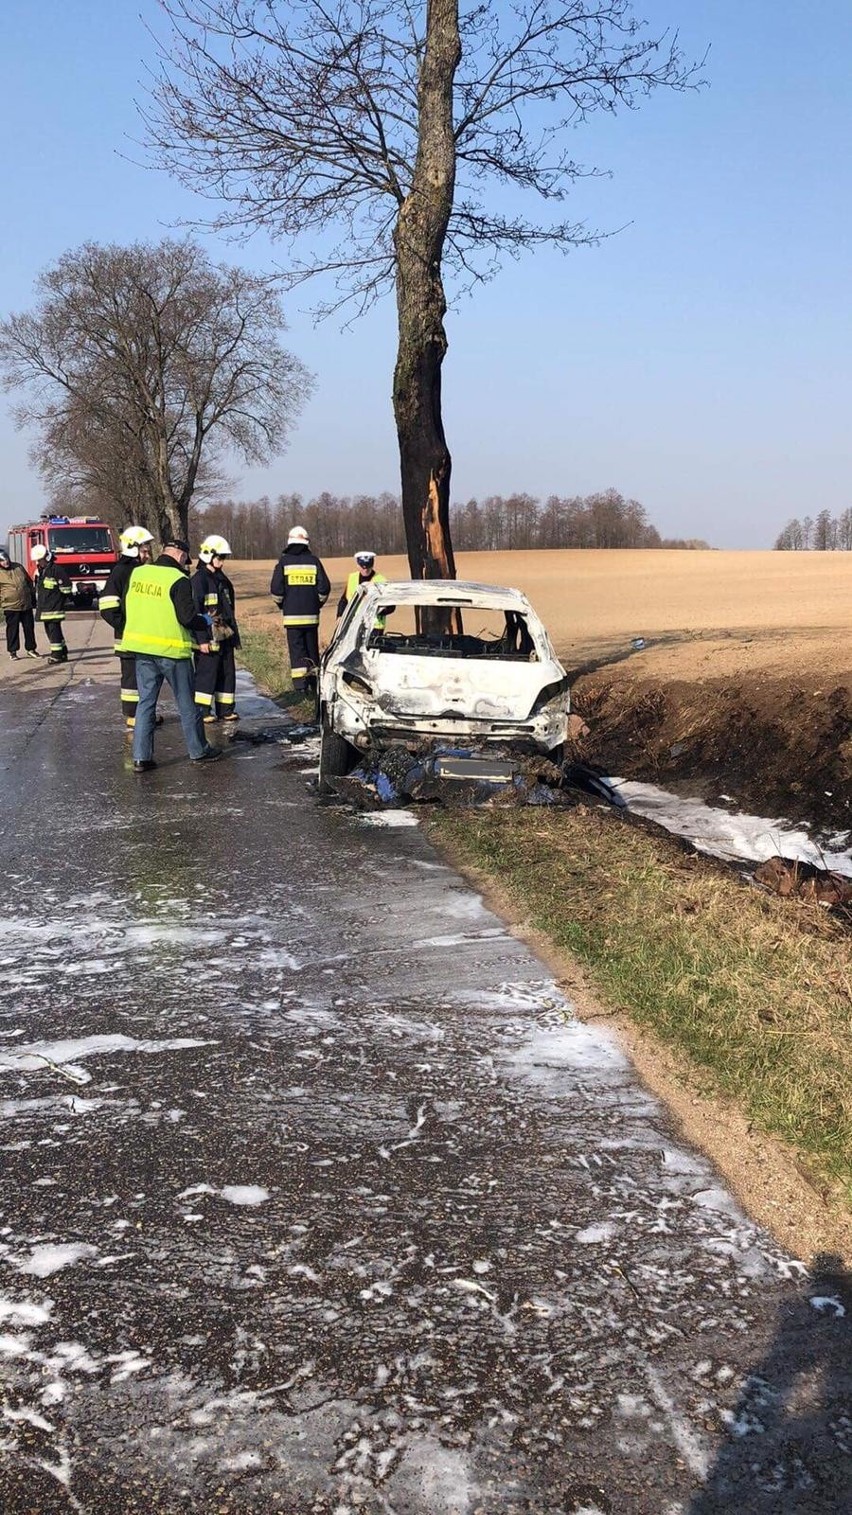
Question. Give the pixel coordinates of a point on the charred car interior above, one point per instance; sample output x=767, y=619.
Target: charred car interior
x=497, y=634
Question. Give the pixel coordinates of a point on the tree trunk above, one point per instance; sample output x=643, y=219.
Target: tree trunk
x=421, y=305
x=173, y=521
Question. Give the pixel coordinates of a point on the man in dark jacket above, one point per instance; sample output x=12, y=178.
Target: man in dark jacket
x=163, y=628
x=216, y=670
x=135, y=543
x=300, y=587
x=17, y=601
x=54, y=597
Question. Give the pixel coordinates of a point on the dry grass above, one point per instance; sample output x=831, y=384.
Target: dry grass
x=757, y=995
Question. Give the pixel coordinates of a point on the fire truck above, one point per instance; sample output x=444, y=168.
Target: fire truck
x=84, y=545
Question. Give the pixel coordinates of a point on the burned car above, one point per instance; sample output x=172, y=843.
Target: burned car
x=464, y=670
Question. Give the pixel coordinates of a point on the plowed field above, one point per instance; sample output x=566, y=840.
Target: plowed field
x=744, y=682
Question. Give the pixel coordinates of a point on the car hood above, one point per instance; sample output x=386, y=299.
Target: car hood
x=467, y=689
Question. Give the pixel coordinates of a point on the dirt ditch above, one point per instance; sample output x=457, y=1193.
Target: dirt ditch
x=772, y=743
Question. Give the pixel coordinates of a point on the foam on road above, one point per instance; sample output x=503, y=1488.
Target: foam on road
x=353, y=1214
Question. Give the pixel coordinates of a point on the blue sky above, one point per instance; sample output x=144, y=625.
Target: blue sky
x=698, y=361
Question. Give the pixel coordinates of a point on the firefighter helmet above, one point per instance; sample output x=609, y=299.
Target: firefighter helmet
x=39, y=553
x=132, y=538
x=214, y=547
x=298, y=537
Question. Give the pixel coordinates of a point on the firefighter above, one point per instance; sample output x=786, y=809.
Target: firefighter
x=163, y=628
x=364, y=574
x=216, y=670
x=300, y=587
x=53, y=599
x=135, y=543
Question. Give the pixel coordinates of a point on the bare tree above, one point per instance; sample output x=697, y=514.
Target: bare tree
x=825, y=532
x=91, y=464
x=390, y=123
x=844, y=530
x=790, y=538
x=141, y=366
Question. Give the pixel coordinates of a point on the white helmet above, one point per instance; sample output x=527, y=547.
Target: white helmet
x=213, y=547
x=298, y=537
x=132, y=538
x=38, y=552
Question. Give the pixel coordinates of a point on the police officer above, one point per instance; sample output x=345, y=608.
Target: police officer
x=163, y=628
x=364, y=574
x=53, y=598
x=215, y=671
x=135, y=543
x=300, y=587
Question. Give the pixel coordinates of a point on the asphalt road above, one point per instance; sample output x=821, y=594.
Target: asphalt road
x=316, y=1199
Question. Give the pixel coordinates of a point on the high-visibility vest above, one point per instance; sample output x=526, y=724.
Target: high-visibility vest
x=151, y=624
x=353, y=584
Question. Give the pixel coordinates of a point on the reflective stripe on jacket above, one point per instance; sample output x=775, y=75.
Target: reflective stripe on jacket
x=301, y=586
x=213, y=594
x=54, y=594
x=113, y=595
x=151, y=624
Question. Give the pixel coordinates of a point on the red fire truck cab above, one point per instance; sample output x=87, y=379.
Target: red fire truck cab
x=84, y=545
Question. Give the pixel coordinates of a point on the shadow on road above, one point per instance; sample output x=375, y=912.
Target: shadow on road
x=790, y=1445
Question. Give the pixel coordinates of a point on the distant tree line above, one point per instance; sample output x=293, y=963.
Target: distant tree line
x=822, y=533
x=340, y=525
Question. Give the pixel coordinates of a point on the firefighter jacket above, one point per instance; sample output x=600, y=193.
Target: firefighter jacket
x=16, y=588
x=354, y=583
x=300, y=585
x=54, y=594
x=113, y=595
x=214, y=596
x=160, y=615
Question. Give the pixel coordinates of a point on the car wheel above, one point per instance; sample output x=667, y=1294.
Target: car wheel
x=336, y=757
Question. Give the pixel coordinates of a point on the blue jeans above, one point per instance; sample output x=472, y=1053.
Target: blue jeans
x=178, y=674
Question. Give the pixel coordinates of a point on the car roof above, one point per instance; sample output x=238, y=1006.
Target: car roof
x=451, y=592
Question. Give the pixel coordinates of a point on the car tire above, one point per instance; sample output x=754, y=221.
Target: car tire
x=336, y=757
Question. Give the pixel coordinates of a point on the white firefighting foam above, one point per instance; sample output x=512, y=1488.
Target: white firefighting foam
x=734, y=836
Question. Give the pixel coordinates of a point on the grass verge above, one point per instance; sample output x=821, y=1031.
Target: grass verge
x=264, y=653
x=756, y=992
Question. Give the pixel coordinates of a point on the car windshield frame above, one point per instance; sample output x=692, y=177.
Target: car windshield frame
x=532, y=645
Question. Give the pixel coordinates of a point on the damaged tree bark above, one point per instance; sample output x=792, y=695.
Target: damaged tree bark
x=419, y=237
